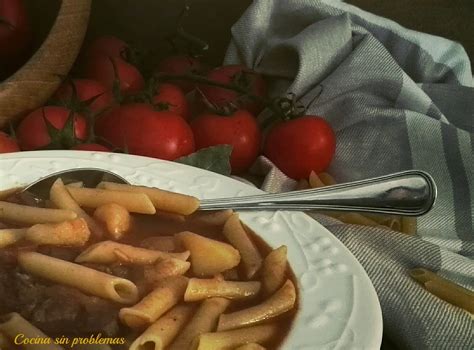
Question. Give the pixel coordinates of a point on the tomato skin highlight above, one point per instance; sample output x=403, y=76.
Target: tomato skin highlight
x=93, y=147
x=221, y=97
x=32, y=132
x=85, y=90
x=8, y=144
x=240, y=130
x=174, y=98
x=141, y=130
x=300, y=146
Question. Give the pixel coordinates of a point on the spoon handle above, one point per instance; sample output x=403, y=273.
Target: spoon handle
x=409, y=193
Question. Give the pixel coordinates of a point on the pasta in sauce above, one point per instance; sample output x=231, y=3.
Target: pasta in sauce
x=148, y=272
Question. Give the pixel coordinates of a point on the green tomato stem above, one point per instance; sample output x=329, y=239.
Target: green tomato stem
x=269, y=103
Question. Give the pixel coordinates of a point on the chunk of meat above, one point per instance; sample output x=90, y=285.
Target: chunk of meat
x=56, y=309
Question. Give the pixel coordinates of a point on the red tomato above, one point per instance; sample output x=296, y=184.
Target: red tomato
x=300, y=146
x=101, y=68
x=107, y=45
x=95, y=147
x=240, y=75
x=181, y=64
x=15, y=35
x=7, y=144
x=85, y=90
x=32, y=133
x=141, y=130
x=171, y=98
x=240, y=130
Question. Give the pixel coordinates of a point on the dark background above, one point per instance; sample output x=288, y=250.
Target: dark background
x=147, y=22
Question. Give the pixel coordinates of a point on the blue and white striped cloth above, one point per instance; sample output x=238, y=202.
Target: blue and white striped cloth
x=398, y=100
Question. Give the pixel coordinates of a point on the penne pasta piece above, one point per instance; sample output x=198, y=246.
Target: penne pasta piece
x=61, y=198
x=234, y=338
x=162, y=332
x=76, y=184
x=274, y=270
x=250, y=346
x=5, y=194
x=88, y=280
x=208, y=256
x=462, y=299
x=237, y=236
x=9, y=236
x=378, y=218
x=24, y=214
x=115, y=218
x=392, y=222
x=108, y=252
x=211, y=218
x=199, y=289
x=357, y=219
x=408, y=225
x=162, y=200
x=203, y=321
x=315, y=181
x=282, y=301
x=302, y=184
x=165, y=268
x=444, y=289
x=68, y=233
x=95, y=197
x=17, y=330
x=166, y=295
x=327, y=179
x=162, y=243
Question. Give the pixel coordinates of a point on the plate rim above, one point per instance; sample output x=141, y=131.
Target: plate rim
x=376, y=327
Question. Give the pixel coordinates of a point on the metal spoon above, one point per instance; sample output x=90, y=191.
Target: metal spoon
x=410, y=193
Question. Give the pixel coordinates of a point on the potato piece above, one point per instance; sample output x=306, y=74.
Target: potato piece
x=209, y=257
x=165, y=268
x=115, y=217
x=67, y=233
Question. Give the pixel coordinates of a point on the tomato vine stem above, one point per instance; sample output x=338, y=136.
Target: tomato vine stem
x=272, y=104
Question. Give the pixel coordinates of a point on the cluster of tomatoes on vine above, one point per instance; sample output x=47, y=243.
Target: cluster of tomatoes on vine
x=181, y=108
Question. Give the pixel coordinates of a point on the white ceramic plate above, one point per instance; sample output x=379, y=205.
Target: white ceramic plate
x=339, y=308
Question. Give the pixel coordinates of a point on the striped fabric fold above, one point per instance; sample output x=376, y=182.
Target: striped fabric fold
x=398, y=100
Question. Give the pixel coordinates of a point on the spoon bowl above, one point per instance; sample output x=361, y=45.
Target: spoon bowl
x=90, y=177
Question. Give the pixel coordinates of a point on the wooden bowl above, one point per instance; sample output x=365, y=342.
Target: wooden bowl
x=34, y=83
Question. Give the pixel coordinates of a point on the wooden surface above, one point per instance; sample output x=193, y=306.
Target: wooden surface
x=39, y=78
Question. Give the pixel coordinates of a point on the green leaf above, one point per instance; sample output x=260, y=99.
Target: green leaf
x=215, y=158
